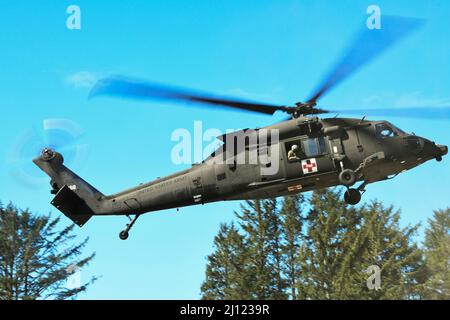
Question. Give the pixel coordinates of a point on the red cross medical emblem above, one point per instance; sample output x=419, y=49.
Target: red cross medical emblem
x=309, y=166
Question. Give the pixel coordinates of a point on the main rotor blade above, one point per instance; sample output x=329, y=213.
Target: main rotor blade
x=142, y=90
x=412, y=112
x=366, y=46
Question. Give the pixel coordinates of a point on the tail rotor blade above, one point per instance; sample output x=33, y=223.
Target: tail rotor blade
x=62, y=135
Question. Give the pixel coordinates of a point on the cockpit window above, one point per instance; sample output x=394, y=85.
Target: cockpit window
x=385, y=130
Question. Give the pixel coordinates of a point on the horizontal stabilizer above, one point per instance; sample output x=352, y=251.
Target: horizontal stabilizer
x=75, y=208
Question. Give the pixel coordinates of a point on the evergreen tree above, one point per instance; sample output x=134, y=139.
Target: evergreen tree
x=437, y=253
x=321, y=249
x=331, y=229
x=248, y=263
x=275, y=256
x=395, y=251
x=36, y=258
x=259, y=221
x=227, y=275
x=342, y=242
x=291, y=226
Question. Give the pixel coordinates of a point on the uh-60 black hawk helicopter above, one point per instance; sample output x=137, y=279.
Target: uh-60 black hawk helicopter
x=312, y=153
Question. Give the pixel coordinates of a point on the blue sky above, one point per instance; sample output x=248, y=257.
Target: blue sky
x=266, y=50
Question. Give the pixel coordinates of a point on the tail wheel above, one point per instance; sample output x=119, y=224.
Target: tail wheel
x=123, y=235
x=352, y=196
x=347, y=177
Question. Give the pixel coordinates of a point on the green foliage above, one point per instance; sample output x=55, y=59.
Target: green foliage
x=320, y=248
x=341, y=242
x=260, y=222
x=35, y=256
x=437, y=253
x=291, y=227
x=246, y=263
x=227, y=268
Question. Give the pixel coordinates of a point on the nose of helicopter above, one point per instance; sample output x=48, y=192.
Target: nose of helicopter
x=442, y=149
x=434, y=150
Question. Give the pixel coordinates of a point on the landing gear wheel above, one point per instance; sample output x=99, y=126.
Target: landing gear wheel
x=347, y=177
x=123, y=235
x=352, y=196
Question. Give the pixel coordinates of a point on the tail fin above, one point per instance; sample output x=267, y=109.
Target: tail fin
x=76, y=198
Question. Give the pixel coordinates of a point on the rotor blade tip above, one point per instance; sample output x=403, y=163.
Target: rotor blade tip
x=94, y=92
x=101, y=87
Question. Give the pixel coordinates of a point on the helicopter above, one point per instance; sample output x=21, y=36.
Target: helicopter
x=303, y=153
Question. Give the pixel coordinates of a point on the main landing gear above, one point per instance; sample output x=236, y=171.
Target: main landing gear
x=348, y=177
x=123, y=235
x=352, y=196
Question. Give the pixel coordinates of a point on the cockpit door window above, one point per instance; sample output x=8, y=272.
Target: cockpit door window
x=311, y=148
x=384, y=130
x=314, y=147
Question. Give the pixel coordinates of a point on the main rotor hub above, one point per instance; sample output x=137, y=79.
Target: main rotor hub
x=304, y=109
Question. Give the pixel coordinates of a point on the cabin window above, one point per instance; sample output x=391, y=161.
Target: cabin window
x=314, y=147
x=384, y=130
x=306, y=148
x=311, y=148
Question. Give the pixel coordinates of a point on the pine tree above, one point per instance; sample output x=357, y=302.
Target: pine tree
x=226, y=271
x=291, y=226
x=342, y=242
x=331, y=229
x=36, y=258
x=437, y=253
x=259, y=221
x=319, y=248
x=248, y=263
x=395, y=251
x=274, y=237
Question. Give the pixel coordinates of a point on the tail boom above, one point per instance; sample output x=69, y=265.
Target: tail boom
x=76, y=198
